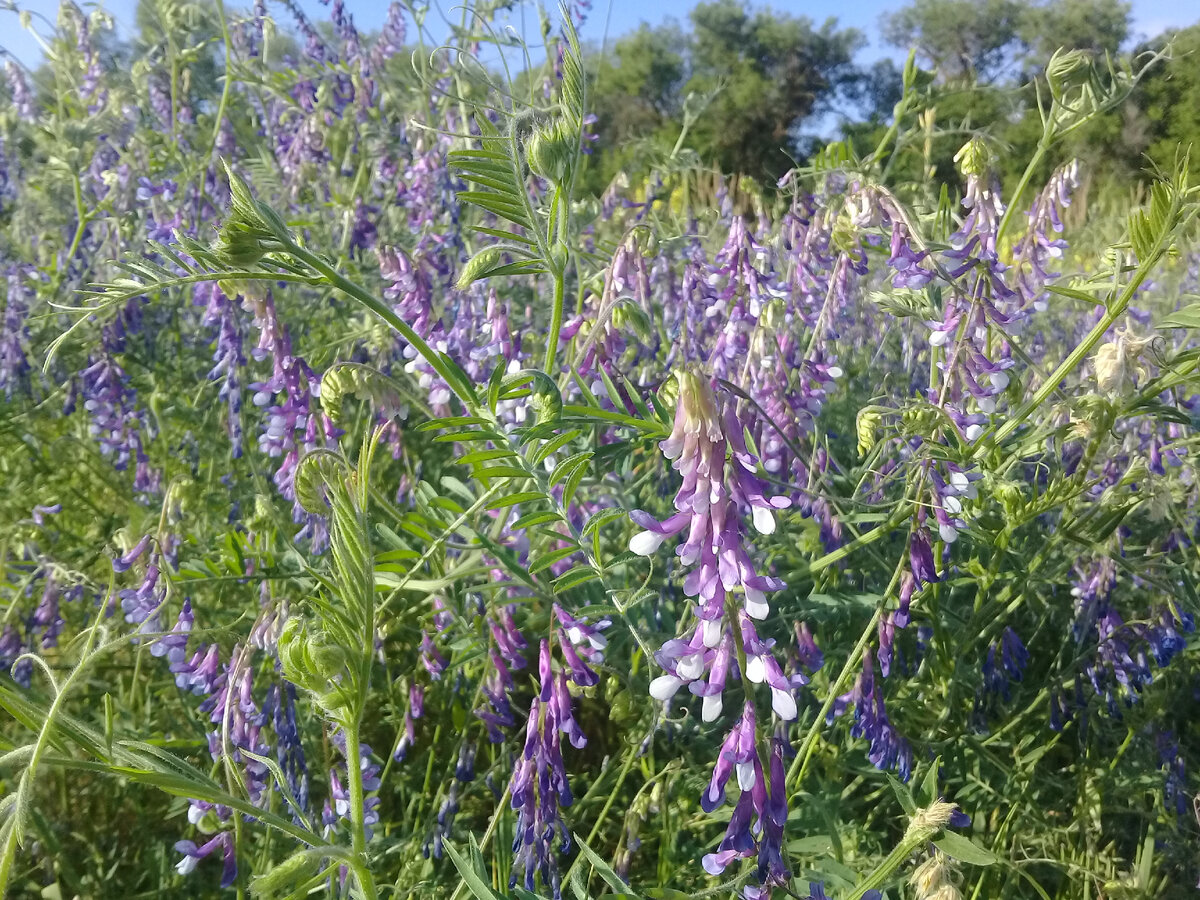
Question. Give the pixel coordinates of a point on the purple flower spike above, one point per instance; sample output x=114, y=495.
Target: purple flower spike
x=431, y=657
x=738, y=755
x=710, y=503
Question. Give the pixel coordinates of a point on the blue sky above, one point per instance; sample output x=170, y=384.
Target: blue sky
x=1150, y=17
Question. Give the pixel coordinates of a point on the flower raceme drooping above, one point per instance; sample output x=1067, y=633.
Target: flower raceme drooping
x=697, y=448
x=887, y=748
x=539, y=785
x=756, y=826
x=710, y=506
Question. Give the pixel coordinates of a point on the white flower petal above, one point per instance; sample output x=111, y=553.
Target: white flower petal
x=756, y=604
x=711, y=710
x=711, y=633
x=745, y=775
x=690, y=667
x=664, y=687
x=646, y=543
x=783, y=703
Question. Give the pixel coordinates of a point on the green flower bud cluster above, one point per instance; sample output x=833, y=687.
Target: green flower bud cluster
x=251, y=229
x=627, y=315
x=865, y=426
x=282, y=880
x=314, y=662
x=478, y=266
x=546, y=400
x=973, y=158
x=1067, y=69
x=240, y=244
x=550, y=151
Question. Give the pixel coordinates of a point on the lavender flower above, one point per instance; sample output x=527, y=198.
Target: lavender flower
x=762, y=798
x=18, y=88
x=228, y=357
x=370, y=782
x=707, y=505
x=1036, y=250
x=14, y=333
x=539, y=787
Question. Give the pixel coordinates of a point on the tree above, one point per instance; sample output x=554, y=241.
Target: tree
x=992, y=55
x=765, y=72
x=1170, y=96
x=770, y=73
x=1098, y=26
x=982, y=41
x=637, y=98
x=969, y=40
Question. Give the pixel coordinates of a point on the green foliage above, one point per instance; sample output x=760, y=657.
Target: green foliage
x=1169, y=97
x=459, y=483
x=751, y=78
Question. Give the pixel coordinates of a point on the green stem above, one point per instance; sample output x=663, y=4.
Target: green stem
x=212, y=148
x=799, y=766
x=880, y=531
x=384, y=312
x=556, y=319
x=358, y=828
x=1036, y=160
x=1076, y=356
x=894, y=860
x=22, y=798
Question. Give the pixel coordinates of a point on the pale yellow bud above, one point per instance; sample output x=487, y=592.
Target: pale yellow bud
x=934, y=817
x=936, y=879
x=1116, y=362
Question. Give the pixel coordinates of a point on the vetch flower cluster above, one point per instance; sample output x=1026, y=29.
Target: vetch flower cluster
x=709, y=508
x=539, y=787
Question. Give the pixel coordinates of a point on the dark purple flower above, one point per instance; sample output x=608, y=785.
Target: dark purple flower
x=193, y=854
x=920, y=555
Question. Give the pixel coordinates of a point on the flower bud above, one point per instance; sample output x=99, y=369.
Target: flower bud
x=312, y=661
x=1067, y=68
x=550, y=151
x=1010, y=497
x=477, y=267
x=774, y=314
x=630, y=316
x=239, y=244
x=865, y=424
x=559, y=255
x=285, y=877
x=546, y=400
x=973, y=158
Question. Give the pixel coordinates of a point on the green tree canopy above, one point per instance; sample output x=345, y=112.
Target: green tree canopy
x=764, y=72
x=982, y=41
